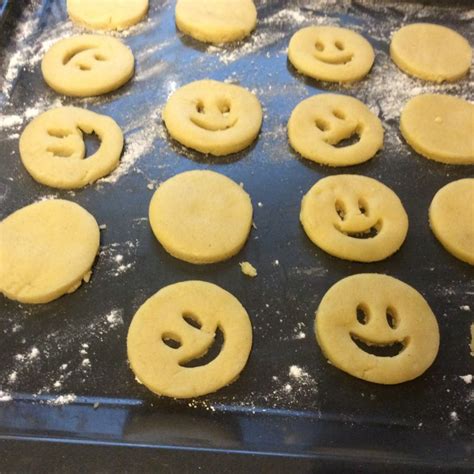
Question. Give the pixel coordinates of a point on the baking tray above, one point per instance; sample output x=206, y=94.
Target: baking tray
x=67, y=388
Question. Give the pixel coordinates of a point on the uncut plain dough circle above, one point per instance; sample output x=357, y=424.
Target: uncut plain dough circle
x=332, y=218
x=440, y=127
x=216, y=21
x=161, y=317
x=53, y=151
x=431, y=52
x=329, y=53
x=451, y=217
x=201, y=216
x=87, y=65
x=213, y=117
x=412, y=325
x=322, y=121
x=46, y=250
x=107, y=14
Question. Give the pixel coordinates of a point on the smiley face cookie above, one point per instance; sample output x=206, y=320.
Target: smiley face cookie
x=87, y=65
x=377, y=328
x=323, y=129
x=354, y=218
x=53, y=151
x=213, y=117
x=329, y=53
x=452, y=218
x=175, y=328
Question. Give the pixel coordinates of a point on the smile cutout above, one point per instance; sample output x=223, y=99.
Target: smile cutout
x=388, y=349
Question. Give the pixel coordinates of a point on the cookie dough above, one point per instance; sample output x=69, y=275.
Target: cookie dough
x=46, y=250
x=177, y=326
x=451, y=217
x=431, y=52
x=329, y=53
x=248, y=269
x=87, y=65
x=440, y=127
x=53, y=151
x=213, y=117
x=201, y=216
x=107, y=14
x=377, y=328
x=216, y=21
x=319, y=126
x=354, y=217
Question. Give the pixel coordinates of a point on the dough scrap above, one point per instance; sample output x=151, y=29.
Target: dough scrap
x=216, y=21
x=87, y=65
x=46, y=250
x=188, y=314
x=53, y=151
x=329, y=53
x=213, y=117
x=107, y=14
x=431, y=52
x=248, y=269
x=440, y=127
x=354, y=217
x=201, y=216
x=376, y=310
x=451, y=218
x=319, y=125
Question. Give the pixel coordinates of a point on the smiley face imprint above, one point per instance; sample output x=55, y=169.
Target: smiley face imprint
x=176, y=327
x=354, y=217
x=377, y=328
x=335, y=130
x=331, y=54
x=87, y=65
x=213, y=117
x=53, y=151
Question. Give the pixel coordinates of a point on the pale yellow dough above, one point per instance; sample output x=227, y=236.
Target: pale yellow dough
x=107, y=14
x=338, y=213
x=451, y=217
x=216, y=21
x=329, y=53
x=165, y=316
x=395, y=313
x=213, y=117
x=201, y=216
x=53, y=150
x=87, y=65
x=440, y=127
x=46, y=250
x=248, y=269
x=431, y=52
x=323, y=121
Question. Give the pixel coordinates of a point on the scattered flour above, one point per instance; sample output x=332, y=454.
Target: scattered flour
x=5, y=397
x=465, y=308
x=63, y=400
x=466, y=378
x=115, y=318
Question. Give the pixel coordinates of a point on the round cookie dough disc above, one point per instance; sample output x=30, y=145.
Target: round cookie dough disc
x=213, y=117
x=46, y=250
x=87, y=65
x=440, y=127
x=329, y=53
x=431, y=52
x=216, y=21
x=321, y=122
x=452, y=218
x=363, y=314
x=53, y=151
x=189, y=314
x=339, y=214
x=201, y=216
x=107, y=14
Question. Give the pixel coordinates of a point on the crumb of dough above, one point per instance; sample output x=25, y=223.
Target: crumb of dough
x=87, y=276
x=472, y=340
x=103, y=226
x=248, y=269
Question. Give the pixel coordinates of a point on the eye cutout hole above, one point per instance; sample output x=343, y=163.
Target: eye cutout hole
x=224, y=108
x=99, y=57
x=213, y=351
x=338, y=44
x=73, y=53
x=339, y=114
x=392, y=318
x=200, y=107
x=171, y=340
x=58, y=133
x=322, y=125
x=92, y=143
x=362, y=314
x=363, y=207
x=340, y=209
x=319, y=46
x=192, y=320
x=84, y=67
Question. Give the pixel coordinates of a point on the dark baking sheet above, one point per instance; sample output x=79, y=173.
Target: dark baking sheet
x=326, y=418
